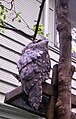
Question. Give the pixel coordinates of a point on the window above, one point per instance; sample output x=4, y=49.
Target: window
x=72, y=6
x=73, y=30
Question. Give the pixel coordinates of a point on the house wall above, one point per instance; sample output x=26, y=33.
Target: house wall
x=11, y=45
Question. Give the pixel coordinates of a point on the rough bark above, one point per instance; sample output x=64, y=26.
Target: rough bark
x=65, y=69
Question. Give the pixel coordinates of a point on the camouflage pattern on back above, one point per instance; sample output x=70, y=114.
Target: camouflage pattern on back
x=34, y=68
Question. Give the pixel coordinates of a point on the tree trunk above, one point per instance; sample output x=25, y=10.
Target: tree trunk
x=65, y=73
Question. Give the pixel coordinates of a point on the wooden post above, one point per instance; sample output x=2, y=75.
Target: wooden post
x=52, y=102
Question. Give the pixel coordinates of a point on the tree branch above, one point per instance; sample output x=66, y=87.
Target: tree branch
x=18, y=31
x=39, y=17
x=11, y=4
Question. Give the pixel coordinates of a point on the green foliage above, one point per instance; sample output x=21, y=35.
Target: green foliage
x=4, y=17
x=19, y=20
x=2, y=14
x=1, y=21
x=17, y=16
x=40, y=29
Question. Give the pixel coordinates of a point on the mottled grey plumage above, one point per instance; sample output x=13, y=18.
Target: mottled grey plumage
x=34, y=67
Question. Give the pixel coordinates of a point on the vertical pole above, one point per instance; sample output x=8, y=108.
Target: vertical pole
x=39, y=17
x=46, y=17
x=53, y=100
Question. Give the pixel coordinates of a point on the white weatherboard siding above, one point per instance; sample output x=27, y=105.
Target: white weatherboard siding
x=9, y=43
x=12, y=43
x=6, y=53
x=29, y=10
x=8, y=77
x=10, y=50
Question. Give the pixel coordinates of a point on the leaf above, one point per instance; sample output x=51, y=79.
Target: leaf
x=1, y=13
x=34, y=27
x=4, y=17
x=17, y=14
x=40, y=29
x=47, y=35
x=6, y=10
x=2, y=7
x=1, y=22
x=19, y=20
x=2, y=30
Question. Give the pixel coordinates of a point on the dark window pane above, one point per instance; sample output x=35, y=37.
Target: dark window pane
x=72, y=7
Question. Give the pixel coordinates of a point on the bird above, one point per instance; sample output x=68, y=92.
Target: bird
x=34, y=68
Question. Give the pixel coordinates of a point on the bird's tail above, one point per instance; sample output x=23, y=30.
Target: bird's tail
x=35, y=95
